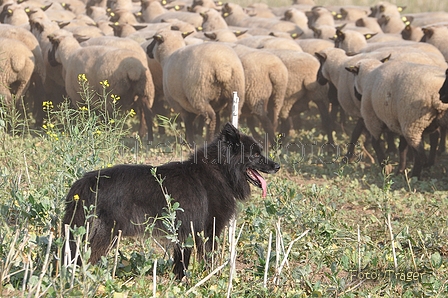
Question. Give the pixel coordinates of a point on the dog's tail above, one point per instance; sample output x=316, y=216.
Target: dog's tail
x=80, y=195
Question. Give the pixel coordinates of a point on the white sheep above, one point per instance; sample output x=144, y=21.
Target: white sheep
x=198, y=79
x=16, y=65
x=130, y=44
x=391, y=24
x=302, y=87
x=39, y=74
x=370, y=23
x=124, y=70
x=269, y=42
x=407, y=109
x=212, y=20
x=411, y=32
x=234, y=15
x=386, y=8
x=266, y=81
x=437, y=36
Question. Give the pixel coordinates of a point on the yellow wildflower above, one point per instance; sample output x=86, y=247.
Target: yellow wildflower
x=104, y=83
x=47, y=105
x=82, y=77
x=132, y=113
x=115, y=98
x=83, y=108
x=76, y=197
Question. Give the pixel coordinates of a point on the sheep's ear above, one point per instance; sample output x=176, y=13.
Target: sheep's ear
x=139, y=27
x=428, y=32
x=239, y=33
x=321, y=57
x=340, y=27
x=159, y=38
x=45, y=7
x=353, y=69
x=211, y=35
x=386, y=58
x=185, y=34
x=360, y=22
x=230, y=134
x=204, y=16
x=369, y=35
x=62, y=24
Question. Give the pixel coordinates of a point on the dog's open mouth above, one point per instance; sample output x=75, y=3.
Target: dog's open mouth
x=255, y=178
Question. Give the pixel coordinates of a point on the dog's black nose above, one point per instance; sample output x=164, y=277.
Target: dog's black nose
x=276, y=167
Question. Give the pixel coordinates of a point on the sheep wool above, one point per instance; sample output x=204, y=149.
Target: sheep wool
x=198, y=79
x=403, y=96
x=124, y=70
x=17, y=65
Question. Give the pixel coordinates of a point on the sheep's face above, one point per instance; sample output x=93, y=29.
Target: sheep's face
x=226, y=10
x=165, y=43
x=339, y=38
x=52, y=52
x=321, y=79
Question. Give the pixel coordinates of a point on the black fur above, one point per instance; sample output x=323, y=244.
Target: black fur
x=206, y=186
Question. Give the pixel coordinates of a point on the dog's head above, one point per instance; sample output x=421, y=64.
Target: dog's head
x=247, y=152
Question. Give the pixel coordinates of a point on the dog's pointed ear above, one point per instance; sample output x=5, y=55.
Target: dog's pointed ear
x=230, y=134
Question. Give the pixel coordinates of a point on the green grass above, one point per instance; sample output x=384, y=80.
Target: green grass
x=335, y=230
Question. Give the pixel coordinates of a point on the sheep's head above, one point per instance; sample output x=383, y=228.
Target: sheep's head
x=339, y=37
x=55, y=41
x=226, y=10
x=427, y=34
x=322, y=57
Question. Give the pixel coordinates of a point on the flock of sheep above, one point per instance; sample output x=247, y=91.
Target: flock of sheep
x=376, y=64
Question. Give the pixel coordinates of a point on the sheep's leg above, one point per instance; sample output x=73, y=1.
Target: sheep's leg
x=38, y=94
x=433, y=142
x=285, y=126
x=327, y=122
x=350, y=155
x=250, y=120
x=189, y=128
x=442, y=143
x=333, y=99
x=268, y=127
x=390, y=139
x=403, y=151
x=218, y=123
x=419, y=160
x=380, y=155
x=158, y=108
x=146, y=120
x=212, y=122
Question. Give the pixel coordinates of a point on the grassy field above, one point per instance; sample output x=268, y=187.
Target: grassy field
x=326, y=229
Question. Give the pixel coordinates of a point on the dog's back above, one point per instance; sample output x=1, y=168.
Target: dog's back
x=126, y=197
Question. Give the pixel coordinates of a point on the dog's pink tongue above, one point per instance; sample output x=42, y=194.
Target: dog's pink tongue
x=262, y=182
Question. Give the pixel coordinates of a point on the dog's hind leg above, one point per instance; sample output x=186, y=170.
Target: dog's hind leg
x=181, y=261
x=99, y=238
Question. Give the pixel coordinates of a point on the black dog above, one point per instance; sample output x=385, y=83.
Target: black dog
x=206, y=187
